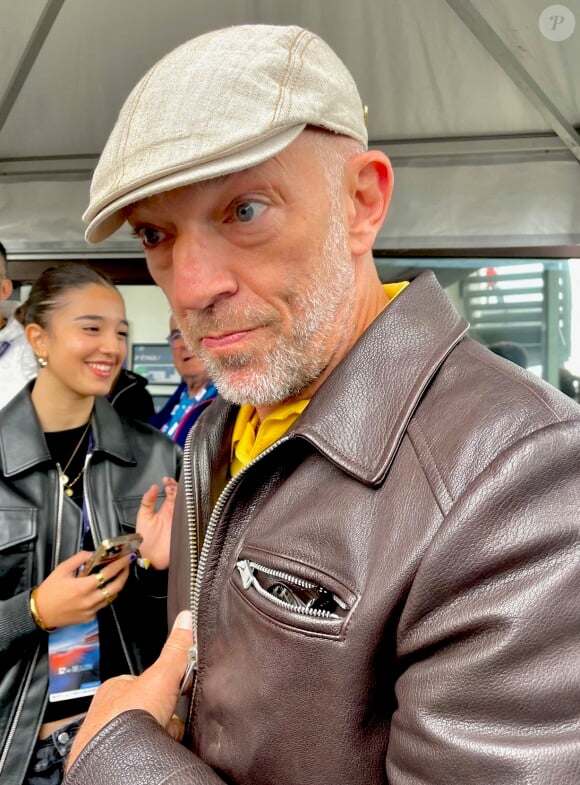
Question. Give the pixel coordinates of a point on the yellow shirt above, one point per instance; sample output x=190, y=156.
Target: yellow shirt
x=251, y=437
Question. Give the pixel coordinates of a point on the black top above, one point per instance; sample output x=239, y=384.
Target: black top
x=61, y=445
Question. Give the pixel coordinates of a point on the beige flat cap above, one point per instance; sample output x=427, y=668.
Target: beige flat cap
x=220, y=103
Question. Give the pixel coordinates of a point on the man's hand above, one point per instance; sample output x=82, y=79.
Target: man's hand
x=156, y=690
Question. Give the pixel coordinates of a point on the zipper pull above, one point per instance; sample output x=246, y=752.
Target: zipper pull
x=187, y=681
x=246, y=573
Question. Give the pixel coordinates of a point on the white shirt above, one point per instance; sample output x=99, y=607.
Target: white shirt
x=17, y=361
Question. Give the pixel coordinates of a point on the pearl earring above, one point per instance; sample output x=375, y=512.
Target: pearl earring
x=42, y=362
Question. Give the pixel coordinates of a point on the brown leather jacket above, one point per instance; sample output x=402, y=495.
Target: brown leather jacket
x=428, y=499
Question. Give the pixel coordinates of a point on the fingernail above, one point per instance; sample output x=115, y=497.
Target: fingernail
x=132, y=557
x=183, y=621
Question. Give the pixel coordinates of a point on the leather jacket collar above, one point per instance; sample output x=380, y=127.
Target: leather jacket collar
x=22, y=445
x=403, y=366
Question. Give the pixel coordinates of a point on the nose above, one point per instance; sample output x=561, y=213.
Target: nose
x=203, y=273
x=112, y=344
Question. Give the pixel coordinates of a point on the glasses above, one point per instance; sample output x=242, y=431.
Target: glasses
x=174, y=336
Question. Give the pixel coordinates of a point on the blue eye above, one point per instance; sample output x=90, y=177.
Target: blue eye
x=247, y=211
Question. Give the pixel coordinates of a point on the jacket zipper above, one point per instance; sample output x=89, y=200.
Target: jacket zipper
x=58, y=537
x=248, y=570
x=23, y=695
x=198, y=565
x=29, y=675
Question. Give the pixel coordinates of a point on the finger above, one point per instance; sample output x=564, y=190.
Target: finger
x=115, y=567
x=150, y=497
x=75, y=563
x=100, y=579
x=96, y=580
x=174, y=658
x=175, y=727
x=116, y=584
x=108, y=596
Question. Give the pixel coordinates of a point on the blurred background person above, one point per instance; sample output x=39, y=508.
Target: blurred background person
x=511, y=351
x=17, y=360
x=191, y=397
x=569, y=383
x=72, y=473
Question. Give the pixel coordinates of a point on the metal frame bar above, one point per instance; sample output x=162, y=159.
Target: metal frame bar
x=459, y=151
x=503, y=56
x=28, y=58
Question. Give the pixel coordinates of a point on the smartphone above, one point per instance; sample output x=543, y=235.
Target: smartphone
x=111, y=549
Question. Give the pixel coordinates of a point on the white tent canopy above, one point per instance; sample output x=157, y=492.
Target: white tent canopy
x=473, y=100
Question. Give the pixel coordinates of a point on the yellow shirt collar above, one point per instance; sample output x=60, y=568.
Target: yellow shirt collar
x=251, y=437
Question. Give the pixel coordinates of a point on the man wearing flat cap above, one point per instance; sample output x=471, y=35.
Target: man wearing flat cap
x=376, y=536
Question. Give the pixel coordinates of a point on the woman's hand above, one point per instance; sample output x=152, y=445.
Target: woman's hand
x=65, y=598
x=156, y=526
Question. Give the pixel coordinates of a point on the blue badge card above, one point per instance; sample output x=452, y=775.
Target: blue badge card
x=73, y=661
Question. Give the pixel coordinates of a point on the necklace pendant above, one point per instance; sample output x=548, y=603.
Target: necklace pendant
x=64, y=479
x=68, y=491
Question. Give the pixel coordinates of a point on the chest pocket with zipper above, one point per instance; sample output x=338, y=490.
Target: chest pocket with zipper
x=313, y=603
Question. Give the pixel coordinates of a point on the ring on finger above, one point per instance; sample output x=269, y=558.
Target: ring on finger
x=108, y=598
x=148, y=506
x=100, y=578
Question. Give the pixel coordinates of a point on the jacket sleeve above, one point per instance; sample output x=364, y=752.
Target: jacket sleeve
x=17, y=628
x=489, y=690
x=135, y=750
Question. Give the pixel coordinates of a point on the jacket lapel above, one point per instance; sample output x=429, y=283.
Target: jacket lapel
x=390, y=366
x=22, y=443
x=108, y=433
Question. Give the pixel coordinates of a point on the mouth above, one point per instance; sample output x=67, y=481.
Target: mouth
x=102, y=370
x=228, y=339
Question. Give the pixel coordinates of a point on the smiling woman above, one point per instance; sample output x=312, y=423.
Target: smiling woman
x=73, y=473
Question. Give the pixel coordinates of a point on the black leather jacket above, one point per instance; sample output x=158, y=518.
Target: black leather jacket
x=40, y=527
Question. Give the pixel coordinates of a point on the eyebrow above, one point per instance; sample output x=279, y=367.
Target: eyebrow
x=96, y=318
x=155, y=198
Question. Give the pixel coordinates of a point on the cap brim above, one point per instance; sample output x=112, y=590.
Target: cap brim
x=107, y=220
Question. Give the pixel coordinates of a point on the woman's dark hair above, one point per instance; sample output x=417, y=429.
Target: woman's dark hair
x=51, y=285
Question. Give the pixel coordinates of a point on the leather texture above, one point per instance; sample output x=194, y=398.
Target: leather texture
x=434, y=488
x=40, y=528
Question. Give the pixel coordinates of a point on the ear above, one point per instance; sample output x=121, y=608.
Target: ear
x=370, y=185
x=5, y=288
x=36, y=337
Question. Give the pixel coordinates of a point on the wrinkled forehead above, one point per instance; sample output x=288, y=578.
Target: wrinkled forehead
x=157, y=202
x=300, y=160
